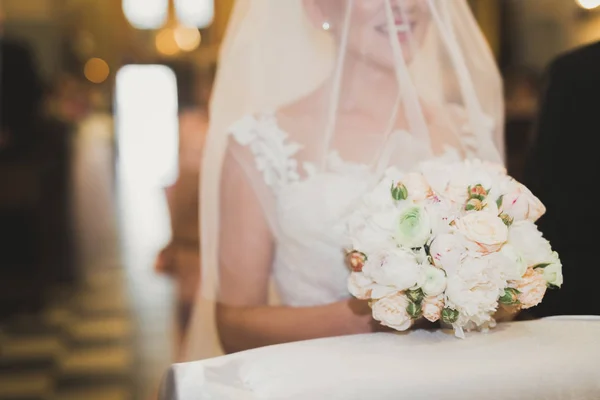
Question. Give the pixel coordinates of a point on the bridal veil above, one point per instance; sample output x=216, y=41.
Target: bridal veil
x=370, y=83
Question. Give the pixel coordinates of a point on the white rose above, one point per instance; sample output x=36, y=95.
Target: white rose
x=433, y=282
x=515, y=267
x=413, y=227
x=371, y=231
x=474, y=290
x=553, y=272
x=446, y=251
x=391, y=312
x=521, y=204
x=417, y=186
x=529, y=242
x=398, y=270
x=486, y=230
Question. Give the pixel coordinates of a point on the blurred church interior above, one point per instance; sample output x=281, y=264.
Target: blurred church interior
x=98, y=203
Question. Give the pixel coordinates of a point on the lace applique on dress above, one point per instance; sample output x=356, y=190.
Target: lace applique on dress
x=272, y=151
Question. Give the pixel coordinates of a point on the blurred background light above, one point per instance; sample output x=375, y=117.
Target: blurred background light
x=588, y=4
x=147, y=125
x=166, y=43
x=187, y=38
x=198, y=13
x=146, y=14
x=96, y=70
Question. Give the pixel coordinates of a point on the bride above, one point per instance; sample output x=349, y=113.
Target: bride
x=319, y=97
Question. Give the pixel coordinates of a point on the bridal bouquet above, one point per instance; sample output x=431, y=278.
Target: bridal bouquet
x=452, y=241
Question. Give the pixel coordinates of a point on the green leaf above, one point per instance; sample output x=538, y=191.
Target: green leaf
x=469, y=207
x=449, y=315
x=499, y=201
x=414, y=310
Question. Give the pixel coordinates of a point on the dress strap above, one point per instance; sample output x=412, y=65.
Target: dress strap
x=273, y=152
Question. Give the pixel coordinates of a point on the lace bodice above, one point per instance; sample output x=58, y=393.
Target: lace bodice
x=309, y=267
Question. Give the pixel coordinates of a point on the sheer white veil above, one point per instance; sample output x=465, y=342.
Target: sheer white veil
x=274, y=54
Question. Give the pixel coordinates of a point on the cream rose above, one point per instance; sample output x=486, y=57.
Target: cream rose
x=391, y=312
x=433, y=281
x=432, y=308
x=532, y=288
x=525, y=237
x=486, y=230
x=521, y=204
x=413, y=227
x=397, y=269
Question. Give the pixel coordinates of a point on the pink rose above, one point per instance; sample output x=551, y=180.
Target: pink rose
x=532, y=288
x=520, y=204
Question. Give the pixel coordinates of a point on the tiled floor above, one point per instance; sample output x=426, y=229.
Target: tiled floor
x=110, y=338
x=72, y=350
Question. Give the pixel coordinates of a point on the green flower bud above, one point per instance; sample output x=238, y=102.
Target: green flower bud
x=416, y=296
x=449, y=315
x=399, y=191
x=414, y=310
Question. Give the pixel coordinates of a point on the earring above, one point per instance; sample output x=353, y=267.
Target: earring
x=326, y=26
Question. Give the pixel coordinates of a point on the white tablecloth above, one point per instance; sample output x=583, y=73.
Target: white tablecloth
x=544, y=360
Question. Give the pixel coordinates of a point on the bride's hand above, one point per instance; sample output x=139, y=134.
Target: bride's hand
x=360, y=317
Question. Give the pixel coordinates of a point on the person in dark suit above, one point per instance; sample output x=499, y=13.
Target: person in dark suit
x=20, y=94
x=564, y=171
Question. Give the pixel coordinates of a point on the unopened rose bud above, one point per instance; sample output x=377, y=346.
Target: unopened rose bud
x=356, y=260
x=399, y=191
x=507, y=219
x=510, y=297
x=477, y=192
x=474, y=205
x=416, y=296
x=414, y=310
x=449, y=315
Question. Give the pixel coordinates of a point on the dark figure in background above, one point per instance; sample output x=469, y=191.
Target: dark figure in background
x=521, y=98
x=20, y=95
x=564, y=171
